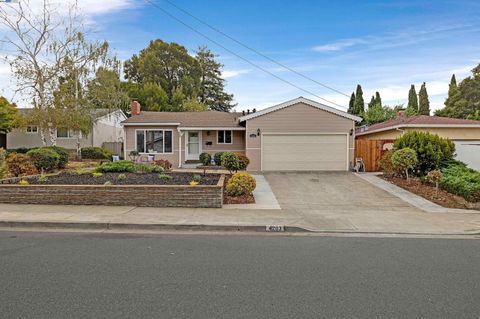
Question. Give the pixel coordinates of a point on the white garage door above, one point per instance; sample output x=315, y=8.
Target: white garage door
x=309, y=152
x=469, y=153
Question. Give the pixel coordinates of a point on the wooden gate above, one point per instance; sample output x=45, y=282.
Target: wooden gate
x=370, y=151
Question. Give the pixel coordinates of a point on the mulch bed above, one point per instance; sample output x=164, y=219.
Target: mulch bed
x=245, y=199
x=442, y=198
x=131, y=179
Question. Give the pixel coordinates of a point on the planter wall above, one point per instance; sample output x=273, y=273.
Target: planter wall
x=115, y=195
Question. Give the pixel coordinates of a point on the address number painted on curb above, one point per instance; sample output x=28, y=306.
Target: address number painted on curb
x=275, y=228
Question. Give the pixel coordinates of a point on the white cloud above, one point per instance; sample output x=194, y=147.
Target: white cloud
x=339, y=45
x=233, y=73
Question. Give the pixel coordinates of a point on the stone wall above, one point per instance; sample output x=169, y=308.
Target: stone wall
x=115, y=195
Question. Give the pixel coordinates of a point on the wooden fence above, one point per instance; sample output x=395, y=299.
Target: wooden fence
x=371, y=152
x=115, y=147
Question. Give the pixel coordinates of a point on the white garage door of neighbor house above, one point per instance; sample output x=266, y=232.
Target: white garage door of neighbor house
x=469, y=153
x=305, y=152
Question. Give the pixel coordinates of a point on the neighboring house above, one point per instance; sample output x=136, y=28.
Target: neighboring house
x=106, y=128
x=298, y=135
x=464, y=133
x=3, y=141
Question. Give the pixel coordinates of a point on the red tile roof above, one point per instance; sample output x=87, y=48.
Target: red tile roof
x=416, y=121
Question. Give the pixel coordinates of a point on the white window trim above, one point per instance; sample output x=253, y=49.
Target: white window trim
x=36, y=129
x=231, y=140
x=145, y=140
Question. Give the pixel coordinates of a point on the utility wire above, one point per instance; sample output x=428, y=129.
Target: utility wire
x=254, y=50
x=239, y=56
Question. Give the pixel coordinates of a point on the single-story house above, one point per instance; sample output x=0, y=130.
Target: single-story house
x=464, y=133
x=298, y=135
x=106, y=128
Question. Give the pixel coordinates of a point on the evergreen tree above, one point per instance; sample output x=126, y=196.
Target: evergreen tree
x=359, y=106
x=371, y=103
x=412, y=106
x=424, y=103
x=378, y=99
x=351, y=104
x=212, y=84
x=8, y=115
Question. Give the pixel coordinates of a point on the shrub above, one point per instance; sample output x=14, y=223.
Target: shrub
x=386, y=165
x=434, y=177
x=194, y=183
x=461, y=180
x=63, y=153
x=217, y=158
x=42, y=179
x=95, y=153
x=143, y=168
x=121, y=177
x=243, y=161
x=197, y=178
x=3, y=164
x=157, y=168
x=164, y=176
x=117, y=167
x=108, y=183
x=163, y=163
x=97, y=174
x=205, y=158
x=23, y=182
x=432, y=151
x=240, y=184
x=230, y=161
x=20, y=150
x=20, y=165
x=405, y=159
x=44, y=158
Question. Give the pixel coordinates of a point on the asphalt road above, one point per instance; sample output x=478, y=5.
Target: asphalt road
x=218, y=276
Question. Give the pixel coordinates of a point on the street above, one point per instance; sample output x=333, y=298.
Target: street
x=81, y=275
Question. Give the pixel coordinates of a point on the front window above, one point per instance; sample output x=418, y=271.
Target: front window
x=32, y=129
x=154, y=141
x=66, y=133
x=224, y=137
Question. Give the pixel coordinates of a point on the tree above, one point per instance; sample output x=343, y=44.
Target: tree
x=351, y=104
x=378, y=99
x=424, y=103
x=105, y=90
x=168, y=65
x=405, y=159
x=8, y=115
x=212, y=84
x=359, y=106
x=412, y=106
x=371, y=103
x=378, y=114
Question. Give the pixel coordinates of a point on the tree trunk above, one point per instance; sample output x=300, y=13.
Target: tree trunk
x=53, y=136
x=43, y=137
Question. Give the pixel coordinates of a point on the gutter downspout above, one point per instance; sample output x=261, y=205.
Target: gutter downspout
x=399, y=129
x=179, y=148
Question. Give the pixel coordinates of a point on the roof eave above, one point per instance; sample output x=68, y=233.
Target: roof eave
x=395, y=127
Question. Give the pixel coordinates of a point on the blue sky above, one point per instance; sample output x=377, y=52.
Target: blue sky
x=383, y=45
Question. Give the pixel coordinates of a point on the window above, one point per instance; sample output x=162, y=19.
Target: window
x=154, y=141
x=32, y=129
x=224, y=137
x=66, y=133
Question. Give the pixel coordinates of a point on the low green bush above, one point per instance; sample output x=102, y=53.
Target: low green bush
x=197, y=178
x=386, y=165
x=433, y=151
x=230, y=161
x=461, y=180
x=217, y=158
x=20, y=165
x=63, y=153
x=404, y=160
x=121, y=177
x=240, y=184
x=165, y=176
x=3, y=163
x=117, y=167
x=243, y=161
x=44, y=158
x=205, y=158
x=95, y=153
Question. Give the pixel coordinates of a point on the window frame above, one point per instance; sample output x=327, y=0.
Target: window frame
x=31, y=131
x=224, y=137
x=70, y=135
x=145, y=140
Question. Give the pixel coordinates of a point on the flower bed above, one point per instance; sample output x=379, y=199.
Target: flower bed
x=132, y=189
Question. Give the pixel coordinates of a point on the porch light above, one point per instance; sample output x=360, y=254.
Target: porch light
x=258, y=132
x=351, y=132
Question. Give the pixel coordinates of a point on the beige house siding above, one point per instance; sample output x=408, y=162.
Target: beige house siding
x=451, y=133
x=298, y=118
x=20, y=138
x=238, y=142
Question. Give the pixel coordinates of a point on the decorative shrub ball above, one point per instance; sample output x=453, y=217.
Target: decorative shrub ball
x=20, y=165
x=230, y=161
x=44, y=158
x=217, y=158
x=63, y=153
x=205, y=158
x=404, y=159
x=240, y=184
x=243, y=161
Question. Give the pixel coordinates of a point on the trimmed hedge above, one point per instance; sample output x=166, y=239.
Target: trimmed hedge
x=461, y=180
x=243, y=161
x=240, y=184
x=95, y=153
x=44, y=158
x=230, y=161
x=205, y=158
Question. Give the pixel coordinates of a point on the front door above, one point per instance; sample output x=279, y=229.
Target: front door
x=193, y=145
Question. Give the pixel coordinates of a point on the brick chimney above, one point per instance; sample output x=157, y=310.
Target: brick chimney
x=401, y=114
x=135, y=108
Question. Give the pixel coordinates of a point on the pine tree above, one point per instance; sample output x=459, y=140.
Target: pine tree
x=378, y=99
x=351, y=104
x=359, y=106
x=412, y=107
x=424, y=103
x=371, y=103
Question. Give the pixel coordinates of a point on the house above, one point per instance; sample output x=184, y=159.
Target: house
x=106, y=128
x=3, y=140
x=464, y=133
x=299, y=135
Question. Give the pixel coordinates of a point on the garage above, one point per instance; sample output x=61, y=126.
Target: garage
x=305, y=152
x=468, y=152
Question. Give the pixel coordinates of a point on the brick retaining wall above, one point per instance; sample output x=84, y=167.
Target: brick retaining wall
x=115, y=195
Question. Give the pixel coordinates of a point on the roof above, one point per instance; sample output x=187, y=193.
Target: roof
x=205, y=119
x=96, y=113
x=417, y=121
x=304, y=101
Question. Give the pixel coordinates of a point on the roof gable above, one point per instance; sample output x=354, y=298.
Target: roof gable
x=304, y=101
